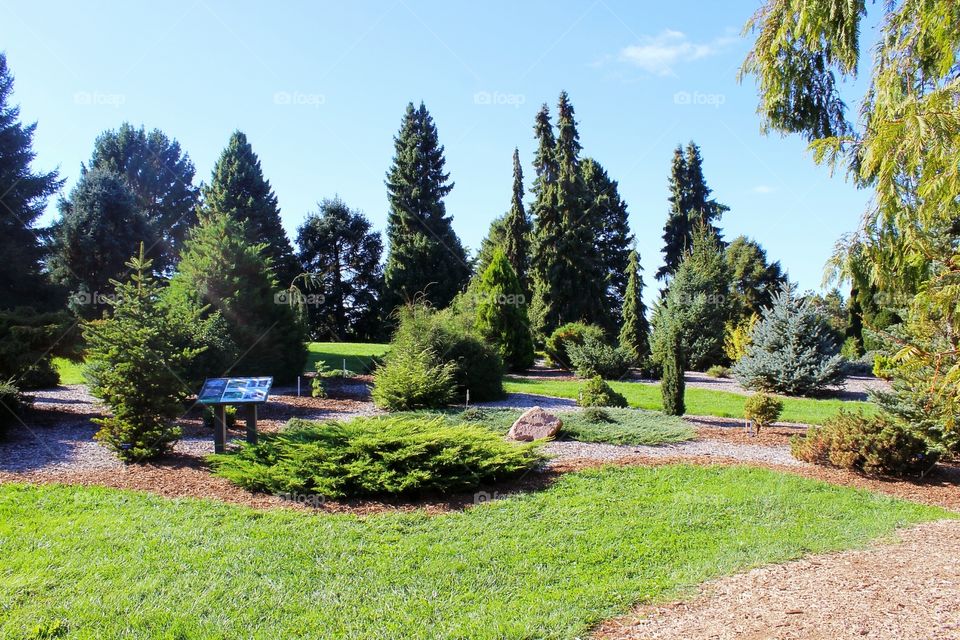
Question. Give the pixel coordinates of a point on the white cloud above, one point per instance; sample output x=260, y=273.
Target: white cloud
x=763, y=188
x=659, y=54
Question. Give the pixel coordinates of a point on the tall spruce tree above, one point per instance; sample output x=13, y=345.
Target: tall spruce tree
x=425, y=254
x=703, y=211
x=23, y=196
x=691, y=207
x=161, y=178
x=607, y=215
x=635, y=331
x=547, y=230
x=517, y=229
x=100, y=227
x=239, y=189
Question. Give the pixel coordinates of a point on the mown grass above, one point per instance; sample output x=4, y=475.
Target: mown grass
x=81, y=562
x=358, y=355
x=623, y=426
x=700, y=402
x=70, y=372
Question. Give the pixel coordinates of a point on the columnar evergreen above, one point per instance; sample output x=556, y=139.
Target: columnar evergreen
x=548, y=229
x=635, y=330
x=516, y=241
x=161, y=178
x=425, y=254
x=239, y=189
x=502, y=313
x=23, y=196
x=672, y=384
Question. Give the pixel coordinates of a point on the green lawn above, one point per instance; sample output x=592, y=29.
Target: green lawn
x=81, y=562
x=700, y=402
x=357, y=354
x=70, y=372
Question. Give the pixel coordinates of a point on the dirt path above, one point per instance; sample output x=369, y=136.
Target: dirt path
x=906, y=589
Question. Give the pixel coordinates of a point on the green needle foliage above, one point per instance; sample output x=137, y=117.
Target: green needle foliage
x=135, y=364
x=239, y=189
x=425, y=255
x=502, y=313
x=672, y=385
x=376, y=456
x=635, y=331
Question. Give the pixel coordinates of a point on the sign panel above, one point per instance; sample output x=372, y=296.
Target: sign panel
x=235, y=390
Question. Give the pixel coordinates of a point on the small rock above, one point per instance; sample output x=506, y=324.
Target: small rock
x=535, y=424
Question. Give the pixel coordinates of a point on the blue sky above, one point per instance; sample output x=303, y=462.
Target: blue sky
x=319, y=88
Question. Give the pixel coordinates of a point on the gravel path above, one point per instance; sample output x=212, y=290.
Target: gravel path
x=568, y=450
x=908, y=589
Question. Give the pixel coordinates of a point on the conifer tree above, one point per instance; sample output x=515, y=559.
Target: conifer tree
x=672, y=384
x=425, y=255
x=516, y=241
x=502, y=313
x=544, y=260
x=136, y=363
x=690, y=208
x=341, y=252
x=221, y=271
x=239, y=189
x=161, y=178
x=100, y=227
x=606, y=213
x=635, y=332
x=23, y=196
x=495, y=239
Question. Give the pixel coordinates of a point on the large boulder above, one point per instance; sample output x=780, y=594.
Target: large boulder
x=535, y=424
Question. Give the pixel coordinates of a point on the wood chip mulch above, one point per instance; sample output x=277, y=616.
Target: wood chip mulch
x=908, y=589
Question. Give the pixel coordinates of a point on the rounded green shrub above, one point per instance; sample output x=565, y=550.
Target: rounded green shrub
x=762, y=410
x=12, y=405
x=559, y=342
x=597, y=393
x=594, y=357
x=413, y=380
x=718, y=371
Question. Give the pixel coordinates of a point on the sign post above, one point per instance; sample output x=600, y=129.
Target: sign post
x=220, y=392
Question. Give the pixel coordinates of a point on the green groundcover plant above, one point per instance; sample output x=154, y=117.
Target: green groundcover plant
x=375, y=456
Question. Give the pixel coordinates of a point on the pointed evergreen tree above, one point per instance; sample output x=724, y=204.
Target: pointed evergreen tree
x=635, y=332
x=221, y=271
x=23, y=196
x=607, y=214
x=502, y=313
x=239, y=189
x=425, y=254
x=161, y=178
x=676, y=231
x=690, y=208
x=544, y=259
x=516, y=244
x=702, y=210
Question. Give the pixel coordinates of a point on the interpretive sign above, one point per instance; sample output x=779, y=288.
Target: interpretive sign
x=235, y=390
x=220, y=392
